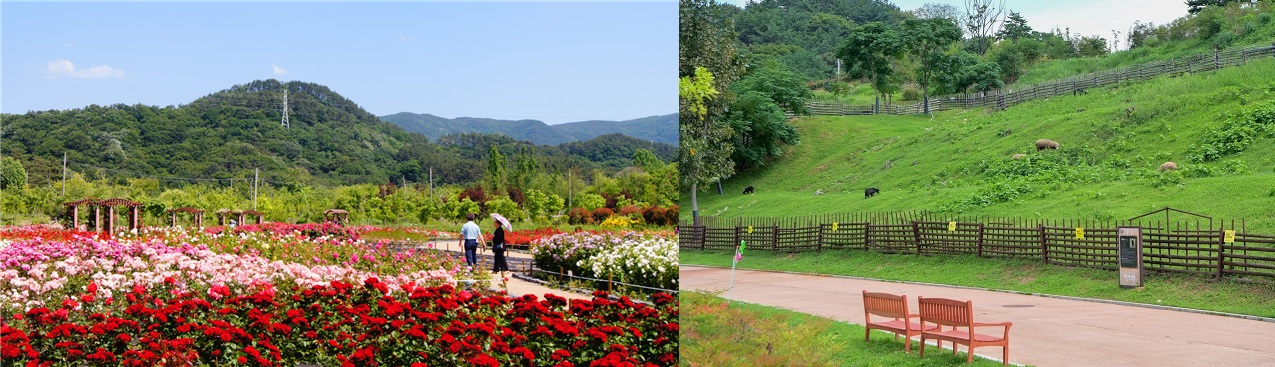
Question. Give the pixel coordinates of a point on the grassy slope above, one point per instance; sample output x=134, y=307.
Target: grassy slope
x=1110, y=171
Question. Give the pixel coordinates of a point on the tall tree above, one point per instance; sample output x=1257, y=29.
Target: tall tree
x=938, y=10
x=981, y=20
x=926, y=39
x=776, y=82
x=707, y=64
x=705, y=141
x=495, y=178
x=1015, y=27
x=867, y=54
x=1195, y=6
x=760, y=126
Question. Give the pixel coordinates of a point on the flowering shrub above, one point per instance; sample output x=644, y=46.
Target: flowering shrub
x=649, y=261
x=579, y=216
x=601, y=214
x=618, y=222
x=342, y=324
x=277, y=295
x=644, y=259
x=526, y=237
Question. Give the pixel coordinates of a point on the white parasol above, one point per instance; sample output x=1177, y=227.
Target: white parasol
x=503, y=222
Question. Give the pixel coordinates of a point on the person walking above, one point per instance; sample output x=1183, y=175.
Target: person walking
x=498, y=249
x=470, y=234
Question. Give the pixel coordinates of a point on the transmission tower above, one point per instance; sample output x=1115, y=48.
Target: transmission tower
x=285, y=109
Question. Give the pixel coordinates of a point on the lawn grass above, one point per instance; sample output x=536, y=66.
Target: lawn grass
x=718, y=332
x=1011, y=275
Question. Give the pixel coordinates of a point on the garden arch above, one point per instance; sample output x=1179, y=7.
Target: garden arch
x=337, y=216
x=197, y=216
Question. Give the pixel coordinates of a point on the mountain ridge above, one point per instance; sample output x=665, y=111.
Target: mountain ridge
x=658, y=128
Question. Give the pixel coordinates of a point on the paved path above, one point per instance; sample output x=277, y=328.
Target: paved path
x=518, y=261
x=1047, y=331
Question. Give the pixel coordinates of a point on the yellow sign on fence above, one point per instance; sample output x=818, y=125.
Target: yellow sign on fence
x=834, y=226
x=951, y=226
x=1228, y=236
x=1080, y=233
x=750, y=229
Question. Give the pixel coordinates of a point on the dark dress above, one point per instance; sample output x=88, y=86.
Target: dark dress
x=498, y=250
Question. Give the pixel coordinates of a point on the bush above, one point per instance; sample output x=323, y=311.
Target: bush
x=670, y=216
x=630, y=210
x=579, y=216
x=654, y=215
x=601, y=214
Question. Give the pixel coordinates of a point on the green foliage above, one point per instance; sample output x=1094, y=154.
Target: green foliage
x=590, y=202
x=12, y=175
x=868, y=52
x=1014, y=28
x=781, y=86
x=494, y=181
x=760, y=127
x=1237, y=133
x=926, y=39
x=646, y=160
x=506, y=207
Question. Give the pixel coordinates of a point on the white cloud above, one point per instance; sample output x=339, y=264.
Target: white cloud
x=59, y=68
x=278, y=70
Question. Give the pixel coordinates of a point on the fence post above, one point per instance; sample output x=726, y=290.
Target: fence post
x=1221, y=248
x=1044, y=249
x=819, y=239
x=774, y=237
x=980, y=238
x=916, y=235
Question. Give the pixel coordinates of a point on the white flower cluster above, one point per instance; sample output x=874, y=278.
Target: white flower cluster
x=650, y=262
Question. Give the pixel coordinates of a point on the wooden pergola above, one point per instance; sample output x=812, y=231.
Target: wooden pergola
x=134, y=213
x=196, y=214
x=243, y=214
x=223, y=216
x=337, y=216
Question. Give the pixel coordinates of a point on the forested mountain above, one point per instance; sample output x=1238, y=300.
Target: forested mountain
x=330, y=140
x=661, y=128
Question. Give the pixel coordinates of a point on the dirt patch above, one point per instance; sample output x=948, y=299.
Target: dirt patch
x=821, y=168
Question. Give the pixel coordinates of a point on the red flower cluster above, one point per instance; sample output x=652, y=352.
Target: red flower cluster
x=348, y=325
x=526, y=236
x=46, y=232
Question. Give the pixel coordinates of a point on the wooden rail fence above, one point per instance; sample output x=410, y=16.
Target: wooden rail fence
x=1172, y=247
x=1001, y=99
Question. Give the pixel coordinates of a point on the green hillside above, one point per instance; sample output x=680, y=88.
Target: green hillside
x=225, y=135
x=1113, y=141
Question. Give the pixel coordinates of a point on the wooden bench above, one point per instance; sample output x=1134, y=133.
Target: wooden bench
x=894, y=307
x=959, y=316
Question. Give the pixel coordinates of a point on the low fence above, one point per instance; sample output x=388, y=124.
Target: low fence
x=1001, y=99
x=1185, y=247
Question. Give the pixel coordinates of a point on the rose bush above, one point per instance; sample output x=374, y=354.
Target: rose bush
x=367, y=324
x=646, y=259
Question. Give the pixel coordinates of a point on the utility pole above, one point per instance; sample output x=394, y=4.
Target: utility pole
x=63, y=173
x=570, y=183
x=431, y=182
x=255, y=172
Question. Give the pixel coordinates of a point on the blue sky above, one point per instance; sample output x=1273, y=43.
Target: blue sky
x=554, y=62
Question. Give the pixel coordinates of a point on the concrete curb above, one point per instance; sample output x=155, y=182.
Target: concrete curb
x=1095, y=300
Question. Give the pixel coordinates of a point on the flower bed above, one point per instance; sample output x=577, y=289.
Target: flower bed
x=340, y=324
x=284, y=295
x=645, y=259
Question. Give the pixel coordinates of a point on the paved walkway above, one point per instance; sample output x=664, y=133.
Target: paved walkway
x=1047, y=331
x=516, y=260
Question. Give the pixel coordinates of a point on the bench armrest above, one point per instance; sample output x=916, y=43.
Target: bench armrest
x=1005, y=324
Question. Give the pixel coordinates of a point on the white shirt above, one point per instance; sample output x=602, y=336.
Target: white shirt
x=470, y=231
